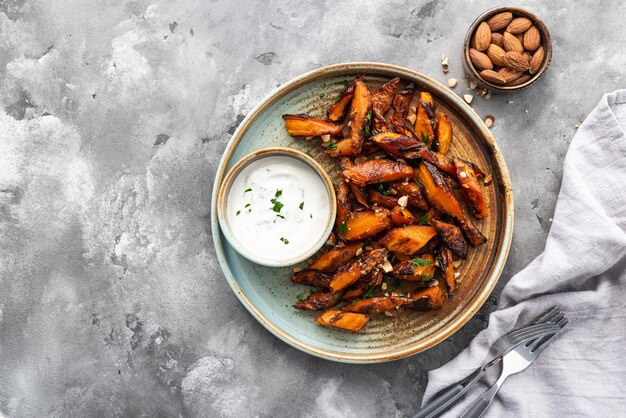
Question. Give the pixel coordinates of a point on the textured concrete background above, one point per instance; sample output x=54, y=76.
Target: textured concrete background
x=114, y=116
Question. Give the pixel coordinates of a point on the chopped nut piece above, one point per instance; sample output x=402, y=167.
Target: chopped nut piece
x=384, y=286
x=487, y=96
x=386, y=294
x=472, y=85
x=462, y=174
x=325, y=138
x=510, y=102
x=577, y=126
x=411, y=118
x=489, y=121
x=468, y=98
x=457, y=275
x=487, y=180
x=445, y=71
x=403, y=201
x=308, y=138
x=452, y=82
x=388, y=313
x=444, y=60
x=359, y=252
x=386, y=266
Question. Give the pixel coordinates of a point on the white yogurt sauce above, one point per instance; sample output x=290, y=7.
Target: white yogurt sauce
x=278, y=208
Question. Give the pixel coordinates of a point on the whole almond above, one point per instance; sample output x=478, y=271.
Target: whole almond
x=492, y=77
x=527, y=55
x=519, y=25
x=511, y=43
x=480, y=60
x=499, y=21
x=532, y=39
x=496, y=39
x=520, y=38
x=536, y=60
x=508, y=74
x=482, y=37
x=496, y=55
x=516, y=61
x=520, y=80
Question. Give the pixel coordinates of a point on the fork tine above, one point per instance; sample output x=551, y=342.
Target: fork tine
x=541, y=342
x=550, y=318
x=539, y=319
x=533, y=330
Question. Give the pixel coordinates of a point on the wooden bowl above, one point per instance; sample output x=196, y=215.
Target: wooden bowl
x=517, y=12
x=269, y=294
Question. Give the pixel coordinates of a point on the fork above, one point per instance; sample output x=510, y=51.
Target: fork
x=539, y=327
x=514, y=362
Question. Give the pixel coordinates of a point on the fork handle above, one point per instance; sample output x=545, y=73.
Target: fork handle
x=481, y=404
x=448, y=397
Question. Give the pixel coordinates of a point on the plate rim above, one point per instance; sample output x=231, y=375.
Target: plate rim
x=482, y=293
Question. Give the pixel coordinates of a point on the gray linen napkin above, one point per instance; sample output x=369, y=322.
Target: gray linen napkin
x=583, y=272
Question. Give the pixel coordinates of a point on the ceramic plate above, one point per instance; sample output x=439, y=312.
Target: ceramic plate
x=269, y=294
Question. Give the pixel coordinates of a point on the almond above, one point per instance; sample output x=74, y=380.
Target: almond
x=532, y=39
x=527, y=55
x=519, y=25
x=536, y=60
x=496, y=55
x=496, y=39
x=508, y=74
x=500, y=21
x=482, y=37
x=516, y=61
x=492, y=77
x=480, y=60
x=521, y=80
x=511, y=43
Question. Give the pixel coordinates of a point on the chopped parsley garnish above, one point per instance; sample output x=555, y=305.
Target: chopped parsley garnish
x=309, y=154
x=457, y=282
x=369, y=292
x=277, y=205
x=420, y=262
x=284, y=240
x=332, y=146
x=424, y=138
x=301, y=206
x=322, y=96
x=343, y=228
x=311, y=215
x=335, y=297
x=300, y=297
x=280, y=216
x=386, y=190
x=247, y=190
x=248, y=205
x=367, y=128
x=238, y=212
x=439, y=259
x=279, y=192
x=344, y=82
x=424, y=219
x=426, y=278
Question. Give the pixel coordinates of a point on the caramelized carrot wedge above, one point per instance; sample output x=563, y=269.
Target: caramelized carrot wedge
x=377, y=304
x=311, y=278
x=303, y=125
x=400, y=107
x=337, y=111
x=343, y=206
x=443, y=134
x=411, y=190
x=364, y=224
x=377, y=171
x=442, y=198
x=427, y=299
x=401, y=216
x=336, y=257
x=319, y=300
x=344, y=320
x=360, y=267
x=420, y=269
x=384, y=201
x=447, y=270
x=361, y=103
x=425, y=115
x=381, y=102
x=440, y=161
x=471, y=190
x=396, y=144
x=451, y=236
x=374, y=278
x=360, y=194
x=408, y=240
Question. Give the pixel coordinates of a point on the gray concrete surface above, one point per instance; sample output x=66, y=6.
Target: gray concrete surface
x=114, y=116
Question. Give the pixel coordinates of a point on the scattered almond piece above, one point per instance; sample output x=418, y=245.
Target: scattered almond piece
x=487, y=180
x=468, y=98
x=444, y=60
x=452, y=82
x=487, y=96
x=386, y=266
x=326, y=138
x=388, y=313
x=297, y=269
x=577, y=126
x=403, y=201
x=411, y=118
x=510, y=102
x=472, y=85
x=489, y=121
x=383, y=286
x=457, y=275
x=445, y=71
x=359, y=252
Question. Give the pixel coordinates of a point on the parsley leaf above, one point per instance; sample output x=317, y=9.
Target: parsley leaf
x=279, y=192
x=300, y=297
x=382, y=188
x=301, y=206
x=247, y=190
x=424, y=219
x=248, y=205
x=238, y=212
x=424, y=138
x=420, y=262
x=322, y=96
x=426, y=278
x=280, y=216
x=369, y=292
x=343, y=228
x=277, y=205
x=284, y=240
x=331, y=146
